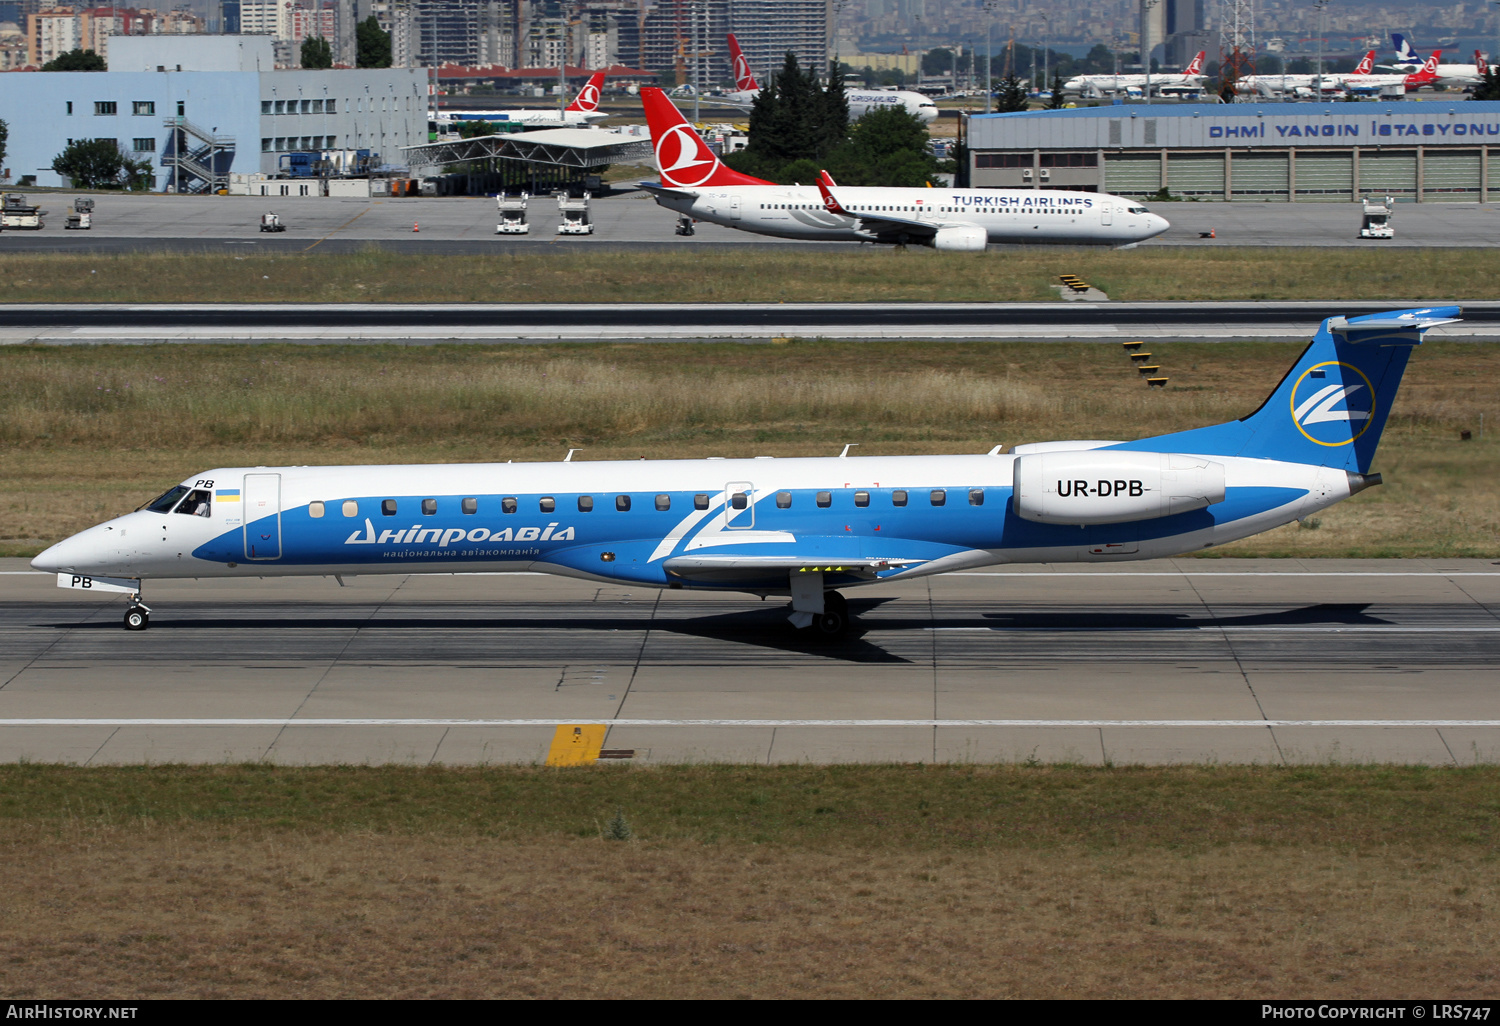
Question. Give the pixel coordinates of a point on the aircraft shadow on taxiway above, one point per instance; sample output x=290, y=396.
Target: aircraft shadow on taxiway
x=763, y=628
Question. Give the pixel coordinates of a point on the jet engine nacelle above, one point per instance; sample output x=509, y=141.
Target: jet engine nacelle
x=1096, y=487
x=967, y=238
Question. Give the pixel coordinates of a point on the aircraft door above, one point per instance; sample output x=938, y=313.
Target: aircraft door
x=262, y=502
x=1107, y=213
x=739, y=505
x=734, y=208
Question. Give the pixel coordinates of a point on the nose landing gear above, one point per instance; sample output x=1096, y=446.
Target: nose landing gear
x=137, y=614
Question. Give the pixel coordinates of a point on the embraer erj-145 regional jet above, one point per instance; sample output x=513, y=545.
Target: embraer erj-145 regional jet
x=697, y=185
x=797, y=527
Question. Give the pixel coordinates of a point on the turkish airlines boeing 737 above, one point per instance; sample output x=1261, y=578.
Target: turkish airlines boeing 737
x=861, y=101
x=583, y=110
x=697, y=185
x=796, y=527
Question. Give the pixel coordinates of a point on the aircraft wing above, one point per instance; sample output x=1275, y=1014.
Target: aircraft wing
x=773, y=571
x=658, y=189
x=884, y=223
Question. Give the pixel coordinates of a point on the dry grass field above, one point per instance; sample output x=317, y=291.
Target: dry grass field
x=748, y=274
x=253, y=881
x=88, y=433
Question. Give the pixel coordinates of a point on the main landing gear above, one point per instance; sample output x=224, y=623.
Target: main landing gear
x=137, y=614
x=834, y=620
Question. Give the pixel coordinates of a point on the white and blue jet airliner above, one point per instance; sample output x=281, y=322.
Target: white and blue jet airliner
x=794, y=527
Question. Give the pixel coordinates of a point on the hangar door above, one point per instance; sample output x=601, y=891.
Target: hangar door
x=1325, y=177
x=1196, y=174
x=1388, y=171
x=1258, y=176
x=1132, y=174
x=1450, y=176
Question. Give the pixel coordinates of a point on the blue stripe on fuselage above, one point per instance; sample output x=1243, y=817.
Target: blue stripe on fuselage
x=569, y=537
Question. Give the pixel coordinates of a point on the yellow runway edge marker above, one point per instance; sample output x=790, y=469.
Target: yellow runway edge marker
x=576, y=744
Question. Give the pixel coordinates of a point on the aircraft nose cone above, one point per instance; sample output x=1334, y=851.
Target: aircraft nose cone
x=79, y=554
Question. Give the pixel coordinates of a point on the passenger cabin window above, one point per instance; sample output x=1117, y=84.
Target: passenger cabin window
x=508, y=504
x=739, y=500
x=585, y=504
x=939, y=496
x=469, y=506
x=351, y=508
x=861, y=498
x=546, y=504
x=663, y=503
x=388, y=507
x=622, y=503
x=315, y=509
x=164, y=502
x=825, y=499
x=898, y=497
x=429, y=507
x=783, y=500
x=700, y=502
x=976, y=496
x=197, y=504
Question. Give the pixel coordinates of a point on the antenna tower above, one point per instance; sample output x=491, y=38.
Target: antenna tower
x=1236, y=40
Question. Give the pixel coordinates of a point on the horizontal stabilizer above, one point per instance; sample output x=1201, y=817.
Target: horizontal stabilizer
x=1403, y=328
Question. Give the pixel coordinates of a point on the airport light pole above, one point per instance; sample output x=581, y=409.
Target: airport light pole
x=1147, y=42
x=1322, y=6
x=989, y=53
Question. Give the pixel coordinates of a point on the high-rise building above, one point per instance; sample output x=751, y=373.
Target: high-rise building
x=766, y=29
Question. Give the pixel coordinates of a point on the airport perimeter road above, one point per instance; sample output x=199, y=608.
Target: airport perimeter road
x=630, y=218
x=1229, y=661
x=118, y=323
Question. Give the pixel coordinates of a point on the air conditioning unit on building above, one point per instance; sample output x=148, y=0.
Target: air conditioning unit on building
x=1046, y=174
x=1026, y=174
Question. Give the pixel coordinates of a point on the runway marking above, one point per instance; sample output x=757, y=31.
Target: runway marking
x=553, y=723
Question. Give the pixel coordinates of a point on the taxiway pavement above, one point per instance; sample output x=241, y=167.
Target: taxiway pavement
x=1190, y=660
x=628, y=217
x=426, y=324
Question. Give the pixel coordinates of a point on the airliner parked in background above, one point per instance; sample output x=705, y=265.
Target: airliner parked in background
x=861, y=101
x=1359, y=80
x=1093, y=85
x=1459, y=76
x=695, y=184
x=796, y=527
x=582, y=111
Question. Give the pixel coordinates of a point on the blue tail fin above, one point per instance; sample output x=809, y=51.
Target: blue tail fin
x=1332, y=406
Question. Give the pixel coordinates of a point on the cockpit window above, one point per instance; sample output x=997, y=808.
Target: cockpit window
x=199, y=503
x=164, y=502
x=1138, y=210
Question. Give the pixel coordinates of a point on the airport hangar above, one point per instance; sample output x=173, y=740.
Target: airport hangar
x=1424, y=151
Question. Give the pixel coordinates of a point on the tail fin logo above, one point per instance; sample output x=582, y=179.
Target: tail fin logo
x=1314, y=403
x=1365, y=64
x=1196, y=67
x=588, y=97
x=680, y=150
x=743, y=79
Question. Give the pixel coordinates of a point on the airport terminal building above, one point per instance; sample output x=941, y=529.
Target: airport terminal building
x=199, y=108
x=1424, y=151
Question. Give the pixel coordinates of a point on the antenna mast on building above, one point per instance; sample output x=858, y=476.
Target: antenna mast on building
x=1236, y=41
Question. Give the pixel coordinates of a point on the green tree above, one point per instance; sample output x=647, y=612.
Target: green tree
x=91, y=163
x=316, y=53
x=372, y=44
x=1058, y=99
x=4, y=135
x=833, y=123
x=1011, y=96
x=887, y=147
x=1489, y=88
x=76, y=60
x=472, y=129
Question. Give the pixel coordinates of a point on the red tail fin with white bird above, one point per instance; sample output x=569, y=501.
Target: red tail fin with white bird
x=743, y=80
x=587, y=100
x=682, y=157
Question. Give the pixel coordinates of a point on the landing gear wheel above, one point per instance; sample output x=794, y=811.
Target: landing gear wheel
x=137, y=619
x=834, y=622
